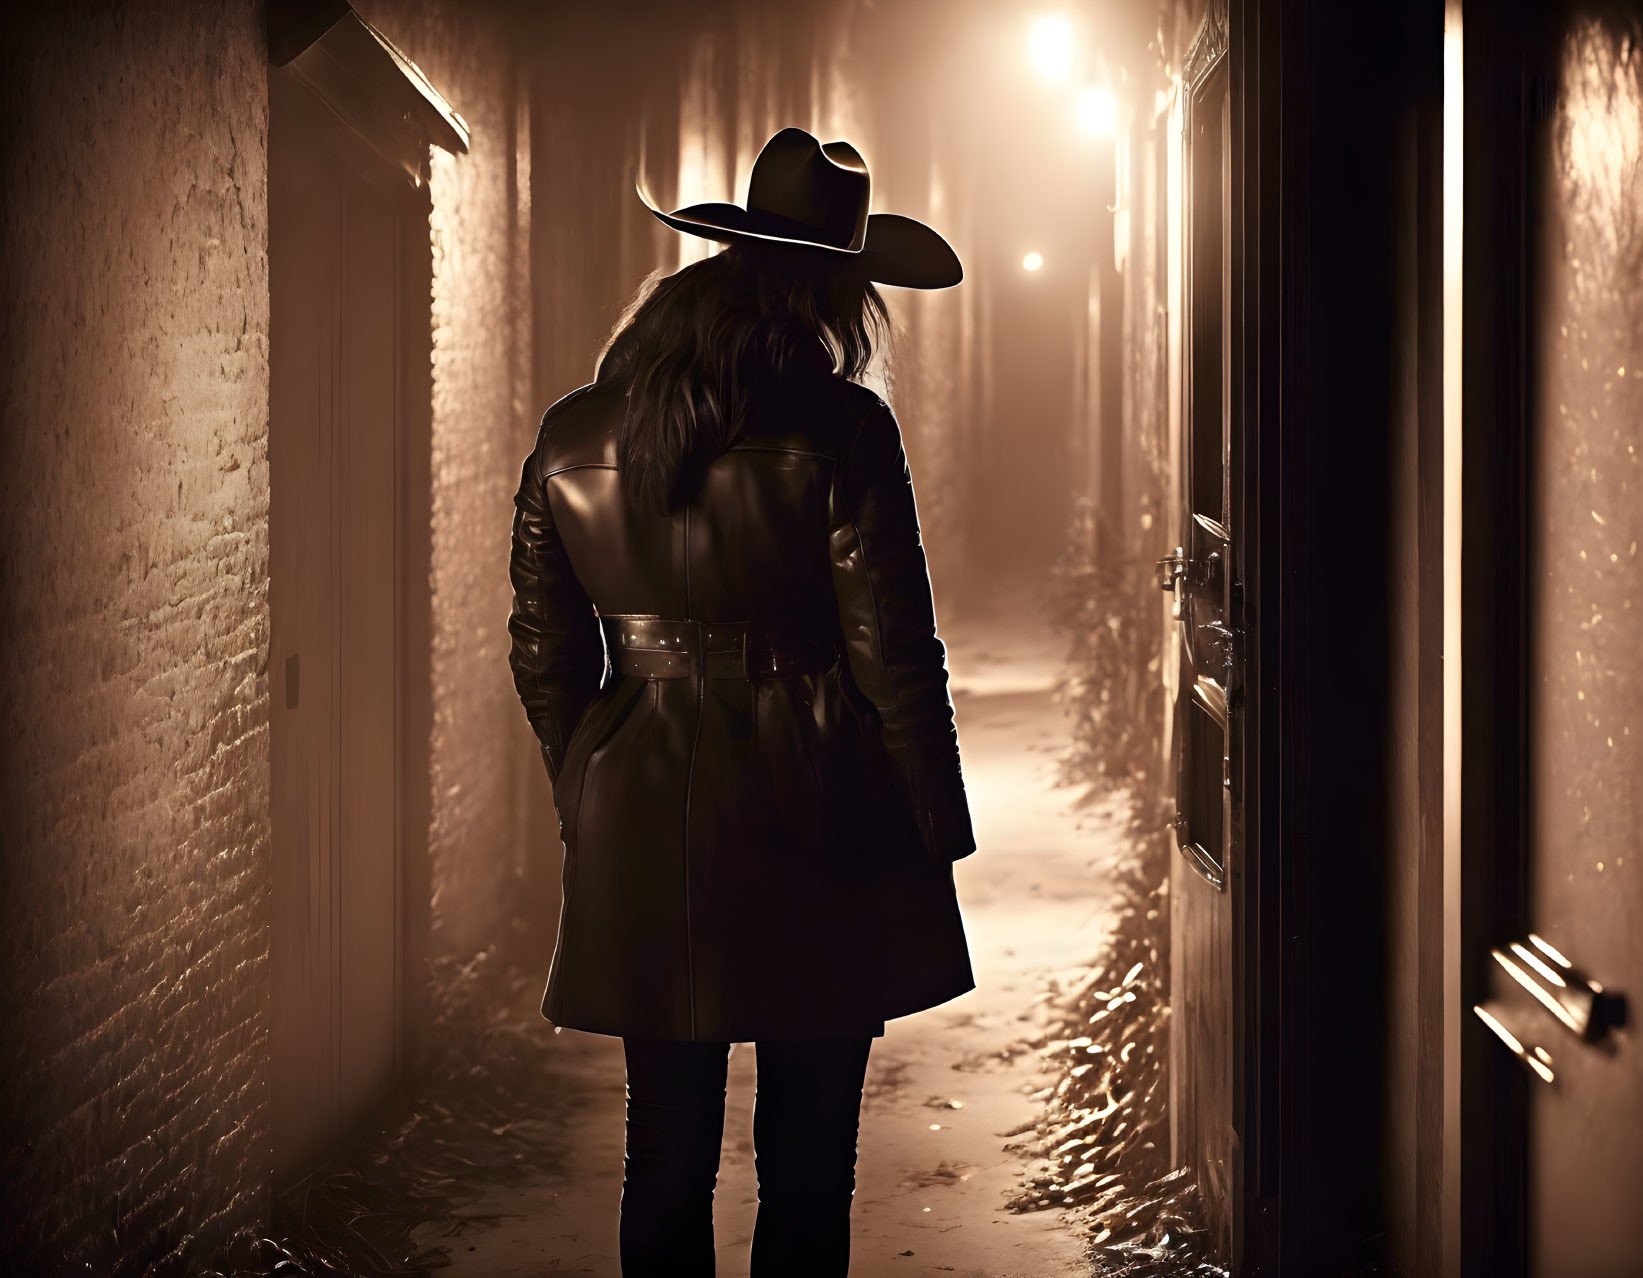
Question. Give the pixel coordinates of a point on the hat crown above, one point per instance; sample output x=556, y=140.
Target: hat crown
x=823, y=188
x=812, y=194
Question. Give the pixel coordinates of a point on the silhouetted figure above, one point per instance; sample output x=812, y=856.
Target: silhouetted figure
x=754, y=763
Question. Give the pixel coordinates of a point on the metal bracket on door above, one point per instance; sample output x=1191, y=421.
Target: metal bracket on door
x=1170, y=570
x=1575, y=1001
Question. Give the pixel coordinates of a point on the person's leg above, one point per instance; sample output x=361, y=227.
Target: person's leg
x=805, y=1116
x=675, y=1125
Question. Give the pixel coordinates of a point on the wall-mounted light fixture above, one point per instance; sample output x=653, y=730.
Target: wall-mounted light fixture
x=1050, y=47
x=1097, y=111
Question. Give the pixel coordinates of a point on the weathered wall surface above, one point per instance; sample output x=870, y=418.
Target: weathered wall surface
x=483, y=758
x=900, y=110
x=133, y=565
x=133, y=516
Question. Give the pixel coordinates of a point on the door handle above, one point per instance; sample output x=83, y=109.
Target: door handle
x=1575, y=1000
x=1555, y=986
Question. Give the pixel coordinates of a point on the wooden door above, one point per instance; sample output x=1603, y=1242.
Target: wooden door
x=335, y=299
x=1563, y=975
x=1201, y=574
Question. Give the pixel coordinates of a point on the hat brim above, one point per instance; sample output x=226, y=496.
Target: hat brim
x=899, y=251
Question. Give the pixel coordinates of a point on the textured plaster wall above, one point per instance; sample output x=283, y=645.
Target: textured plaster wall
x=133, y=562
x=483, y=760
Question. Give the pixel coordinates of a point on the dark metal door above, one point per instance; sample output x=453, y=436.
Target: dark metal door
x=1585, y=660
x=1205, y=724
x=335, y=298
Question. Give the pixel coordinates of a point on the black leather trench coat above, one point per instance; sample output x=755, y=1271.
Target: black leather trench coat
x=744, y=709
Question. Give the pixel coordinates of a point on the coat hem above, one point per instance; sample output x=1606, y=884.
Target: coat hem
x=749, y=1033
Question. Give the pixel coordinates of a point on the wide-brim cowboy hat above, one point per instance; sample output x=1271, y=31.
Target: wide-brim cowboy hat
x=813, y=195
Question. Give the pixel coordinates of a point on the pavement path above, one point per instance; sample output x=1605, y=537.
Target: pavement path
x=933, y=1176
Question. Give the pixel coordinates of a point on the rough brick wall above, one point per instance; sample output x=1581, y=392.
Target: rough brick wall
x=133, y=558
x=133, y=563
x=483, y=759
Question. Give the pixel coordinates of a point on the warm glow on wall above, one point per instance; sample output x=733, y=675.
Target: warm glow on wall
x=1097, y=111
x=1032, y=262
x=1050, y=46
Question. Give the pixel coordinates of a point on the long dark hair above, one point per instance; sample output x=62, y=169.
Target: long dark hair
x=693, y=344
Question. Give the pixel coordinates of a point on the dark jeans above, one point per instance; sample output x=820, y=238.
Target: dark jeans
x=805, y=1115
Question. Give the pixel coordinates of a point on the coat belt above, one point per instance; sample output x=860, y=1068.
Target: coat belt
x=662, y=648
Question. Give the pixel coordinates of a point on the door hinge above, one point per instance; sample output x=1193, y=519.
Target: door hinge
x=1171, y=571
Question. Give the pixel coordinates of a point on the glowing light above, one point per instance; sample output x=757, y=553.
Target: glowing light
x=1541, y=996
x=1050, y=46
x=1505, y=1035
x=1538, y=966
x=1097, y=111
x=1516, y=1047
x=1545, y=948
x=1454, y=119
x=1032, y=262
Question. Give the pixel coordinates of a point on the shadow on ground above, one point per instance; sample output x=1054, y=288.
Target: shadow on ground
x=480, y=1118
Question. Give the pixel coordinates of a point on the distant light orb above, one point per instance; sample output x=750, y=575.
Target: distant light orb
x=1097, y=111
x=1032, y=262
x=1050, y=46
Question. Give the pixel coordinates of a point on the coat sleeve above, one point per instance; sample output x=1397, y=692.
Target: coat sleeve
x=888, y=618
x=557, y=655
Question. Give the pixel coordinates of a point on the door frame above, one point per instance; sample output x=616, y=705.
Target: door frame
x=1504, y=88
x=1469, y=1147
x=1269, y=551
x=1257, y=501
x=1252, y=473
x=1205, y=873
x=297, y=103
x=1262, y=860
x=1471, y=888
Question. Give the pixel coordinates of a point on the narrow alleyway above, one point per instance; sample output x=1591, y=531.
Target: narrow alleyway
x=945, y=1090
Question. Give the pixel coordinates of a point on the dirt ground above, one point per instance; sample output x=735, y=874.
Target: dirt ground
x=946, y=1089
